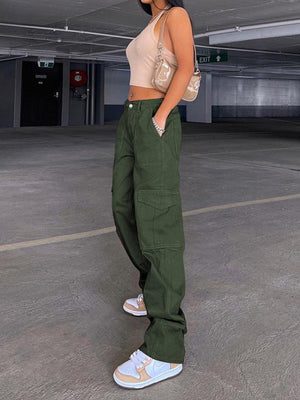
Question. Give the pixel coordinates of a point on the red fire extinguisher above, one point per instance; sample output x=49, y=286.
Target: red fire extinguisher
x=78, y=78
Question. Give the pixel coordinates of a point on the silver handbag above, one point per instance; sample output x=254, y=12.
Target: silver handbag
x=164, y=71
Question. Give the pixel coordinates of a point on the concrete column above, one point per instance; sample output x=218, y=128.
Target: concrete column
x=65, y=93
x=99, y=112
x=200, y=110
x=92, y=122
x=17, y=93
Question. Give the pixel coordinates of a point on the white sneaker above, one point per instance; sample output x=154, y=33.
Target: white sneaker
x=141, y=370
x=135, y=306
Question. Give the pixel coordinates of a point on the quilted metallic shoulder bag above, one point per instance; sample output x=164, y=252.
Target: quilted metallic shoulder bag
x=164, y=71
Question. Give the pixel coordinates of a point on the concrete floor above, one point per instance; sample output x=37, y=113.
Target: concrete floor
x=63, y=330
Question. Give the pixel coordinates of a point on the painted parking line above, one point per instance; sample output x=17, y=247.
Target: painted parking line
x=240, y=204
x=56, y=239
x=103, y=231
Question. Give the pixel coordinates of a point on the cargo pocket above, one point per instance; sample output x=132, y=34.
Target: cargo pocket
x=159, y=219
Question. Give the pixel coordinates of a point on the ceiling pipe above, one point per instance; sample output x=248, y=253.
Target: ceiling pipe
x=64, y=41
x=44, y=28
x=11, y=58
x=37, y=53
x=101, y=56
x=257, y=34
x=248, y=27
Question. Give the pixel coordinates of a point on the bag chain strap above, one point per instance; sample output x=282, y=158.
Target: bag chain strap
x=160, y=45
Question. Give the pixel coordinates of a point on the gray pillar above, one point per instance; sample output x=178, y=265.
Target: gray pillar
x=92, y=94
x=99, y=94
x=88, y=98
x=200, y=110
x=65, y=94
x=17, y=93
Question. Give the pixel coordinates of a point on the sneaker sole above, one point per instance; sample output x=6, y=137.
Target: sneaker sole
x=165, y=375
x=135, y=313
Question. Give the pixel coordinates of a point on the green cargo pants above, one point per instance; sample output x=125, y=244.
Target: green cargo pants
x=147, y=212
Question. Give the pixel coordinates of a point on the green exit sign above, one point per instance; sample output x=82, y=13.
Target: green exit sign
x=46, y=64
x=212, y=57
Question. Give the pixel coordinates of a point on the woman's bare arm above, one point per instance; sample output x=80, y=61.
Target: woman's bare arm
x=180, y=30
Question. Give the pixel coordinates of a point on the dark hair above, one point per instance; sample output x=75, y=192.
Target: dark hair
x=174, y=3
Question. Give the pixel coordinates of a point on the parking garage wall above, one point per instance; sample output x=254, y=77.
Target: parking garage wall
x=115, y=92
x=242, y=97
x=232, y=97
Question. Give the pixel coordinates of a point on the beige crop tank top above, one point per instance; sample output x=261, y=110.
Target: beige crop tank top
x=141, y=54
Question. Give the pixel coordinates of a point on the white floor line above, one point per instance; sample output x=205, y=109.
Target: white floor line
x=103, y=231
x=56, y=239
x=239, y=204
x=207, y=154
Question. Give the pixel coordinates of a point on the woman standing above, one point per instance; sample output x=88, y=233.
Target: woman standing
x=146, y=200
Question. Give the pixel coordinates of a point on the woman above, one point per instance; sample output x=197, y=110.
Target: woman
x=146, y=201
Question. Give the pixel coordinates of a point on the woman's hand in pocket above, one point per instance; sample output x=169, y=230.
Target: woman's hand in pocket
x=161, y=122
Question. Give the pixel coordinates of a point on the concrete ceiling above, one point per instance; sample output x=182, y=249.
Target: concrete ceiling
x=101, y=30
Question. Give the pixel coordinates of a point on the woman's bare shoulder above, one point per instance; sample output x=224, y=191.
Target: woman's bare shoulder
x=178, y=18
x=178, y=13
